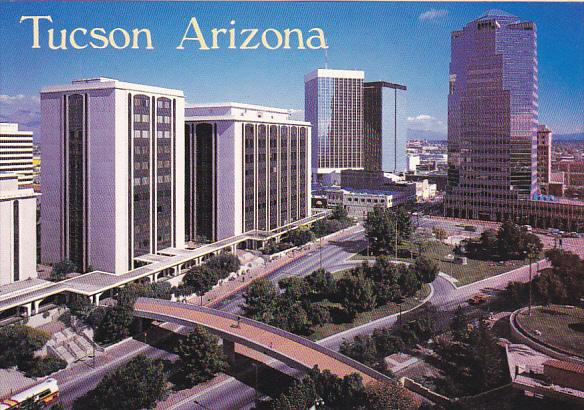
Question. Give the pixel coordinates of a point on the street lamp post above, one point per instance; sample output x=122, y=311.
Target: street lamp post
x=396, y=237
x=531, y=253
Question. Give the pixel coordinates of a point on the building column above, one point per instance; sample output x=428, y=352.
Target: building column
x=96, y=298
x=36, y=305
x=229, y=351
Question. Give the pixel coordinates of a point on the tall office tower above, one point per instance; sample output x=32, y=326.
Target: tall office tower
x=385, y=126
x=492, y=116
x=17, y=231
x=333, y=104
x=112, y=174
x=16, y=153
x=247, y=169
x=544, y=155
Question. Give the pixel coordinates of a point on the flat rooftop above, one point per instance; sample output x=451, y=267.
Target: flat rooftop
x=97, y=83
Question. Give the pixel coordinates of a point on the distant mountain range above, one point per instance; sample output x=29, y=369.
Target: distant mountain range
x=569, y=137
x=438, y=136
x=426, y=135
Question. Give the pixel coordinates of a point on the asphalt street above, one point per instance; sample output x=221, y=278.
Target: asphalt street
x=232, y=393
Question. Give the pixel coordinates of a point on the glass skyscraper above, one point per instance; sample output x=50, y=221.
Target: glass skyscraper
x=385, y=126
x=334, y=106
x=492, y=116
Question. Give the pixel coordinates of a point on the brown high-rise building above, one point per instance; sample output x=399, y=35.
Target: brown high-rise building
x=544, y=156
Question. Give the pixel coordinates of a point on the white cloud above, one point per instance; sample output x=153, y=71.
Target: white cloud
x=432, y=14
x=21, y=109
x=426, y=122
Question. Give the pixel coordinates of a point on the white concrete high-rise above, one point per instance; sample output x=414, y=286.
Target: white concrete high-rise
x=247, y=169
x=17, y=231
x=113, y=172
x=16, y=152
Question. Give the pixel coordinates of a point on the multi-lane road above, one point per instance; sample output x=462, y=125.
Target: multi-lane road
x=232, y=393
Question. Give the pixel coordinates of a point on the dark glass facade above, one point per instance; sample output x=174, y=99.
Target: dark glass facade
x=199, y=186
x=141, y=176
x=249, y=177
x=262, y=158
x=16, y=241
x=385, y=127
x=273, y=180
x=164, y=178
x=76, y=171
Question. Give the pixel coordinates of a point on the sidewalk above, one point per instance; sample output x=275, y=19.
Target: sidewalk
x=231, y=287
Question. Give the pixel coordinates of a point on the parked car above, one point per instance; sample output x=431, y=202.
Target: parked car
x=478, y=299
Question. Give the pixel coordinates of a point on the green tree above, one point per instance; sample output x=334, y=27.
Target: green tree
x=295, y=288
x=509, y=239
x=260, y=298
x=383, y=225
x=322, y=284
x=362, y=349
x=80, y=306
x=19, y=343
x=339, y=213
x=62, y=269
x=133, y=386
x=388, y=396
x=300, y=396
x=300, y=236
x=224, y=264
x=201, y=356
x=459, y=325
x=426, y=269
x=40, y=367
x=200, y=279
x=347, y=393
x=115, y=324
x=385, y=274
x=409, y=282
x=356, y=293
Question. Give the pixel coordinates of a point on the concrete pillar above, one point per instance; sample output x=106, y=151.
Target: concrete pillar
x=96, y=298
x=177, y=270
x=36, y=305
x=229, y=351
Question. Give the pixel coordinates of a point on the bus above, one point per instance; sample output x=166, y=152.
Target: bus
x=39, y=396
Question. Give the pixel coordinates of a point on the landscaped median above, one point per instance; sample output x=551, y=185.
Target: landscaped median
x=464, y=274
x=329, y=329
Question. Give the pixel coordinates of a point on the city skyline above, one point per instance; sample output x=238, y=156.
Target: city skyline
x=418, y=34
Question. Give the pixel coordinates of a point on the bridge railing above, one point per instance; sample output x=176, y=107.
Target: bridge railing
x=299, y=339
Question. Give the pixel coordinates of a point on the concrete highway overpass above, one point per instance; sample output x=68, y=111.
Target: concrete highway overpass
x=293, y=350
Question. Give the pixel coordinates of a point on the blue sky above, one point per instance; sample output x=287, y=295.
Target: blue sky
x=407, y=43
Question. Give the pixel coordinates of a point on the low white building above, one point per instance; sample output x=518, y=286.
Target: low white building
x=413, y=161
x=425, y=191
x=359, y=203
x=18, y=240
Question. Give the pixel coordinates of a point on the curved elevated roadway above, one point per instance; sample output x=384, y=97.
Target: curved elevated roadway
x=286, y=347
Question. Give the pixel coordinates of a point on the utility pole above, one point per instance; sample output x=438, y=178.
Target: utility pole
x=396, y=236
x=531, y=255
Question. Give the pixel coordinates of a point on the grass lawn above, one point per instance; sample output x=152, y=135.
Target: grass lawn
x=473, y=271
x=560, y=326
x=328, y=329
